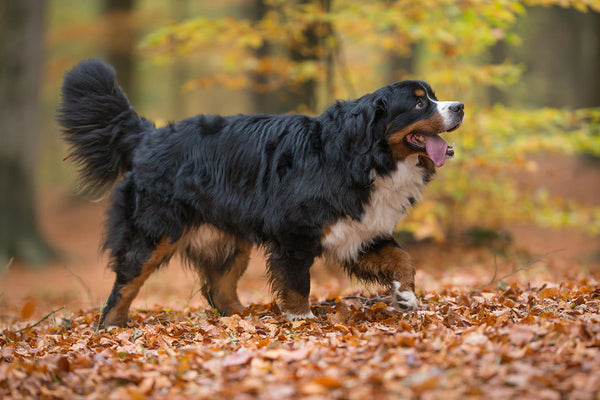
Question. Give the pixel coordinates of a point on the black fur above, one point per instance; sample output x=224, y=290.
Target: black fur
x=275, y=180
x=99, y=124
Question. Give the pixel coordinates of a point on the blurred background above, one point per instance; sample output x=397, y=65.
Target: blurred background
x=525, y=180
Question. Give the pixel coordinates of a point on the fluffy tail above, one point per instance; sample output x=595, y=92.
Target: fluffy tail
x=99, y=124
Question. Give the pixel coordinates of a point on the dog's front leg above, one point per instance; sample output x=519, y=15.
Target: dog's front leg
x=289, y=274
x=384, y=262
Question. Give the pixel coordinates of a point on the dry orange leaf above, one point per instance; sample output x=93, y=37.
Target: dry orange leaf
x=549, y=293
x=28, y=309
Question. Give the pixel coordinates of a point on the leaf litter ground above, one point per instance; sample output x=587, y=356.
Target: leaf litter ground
x=520, y=342
x=535, y=334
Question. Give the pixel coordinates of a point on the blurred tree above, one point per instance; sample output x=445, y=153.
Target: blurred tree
x=400, y=63
x=122, y=40
x=310, y=46
x=262, y=100
x=21, y=56
x=562, y=48
x=306, y=46
x=179, y=71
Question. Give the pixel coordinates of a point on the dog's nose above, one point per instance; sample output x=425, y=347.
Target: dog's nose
x=457, y=107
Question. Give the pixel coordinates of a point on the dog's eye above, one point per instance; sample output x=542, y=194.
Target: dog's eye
x=419, y=104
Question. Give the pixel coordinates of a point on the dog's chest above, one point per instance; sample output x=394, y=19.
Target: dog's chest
x=390, y=198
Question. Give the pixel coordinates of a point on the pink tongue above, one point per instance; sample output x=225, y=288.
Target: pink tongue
x=436, y=149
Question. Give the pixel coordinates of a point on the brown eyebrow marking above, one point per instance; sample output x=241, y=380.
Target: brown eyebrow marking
x=419, y=93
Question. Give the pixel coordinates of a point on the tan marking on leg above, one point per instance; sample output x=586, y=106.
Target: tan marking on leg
x=220, y=259
x=222, y=288
x=394, y=268
x=390, y=263
x=117, y=316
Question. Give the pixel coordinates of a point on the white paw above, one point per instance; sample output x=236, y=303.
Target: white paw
x=403, y=300
x=298, y=317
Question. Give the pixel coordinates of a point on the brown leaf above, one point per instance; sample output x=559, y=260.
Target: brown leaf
x=520, y=335
x=509, y=294
x=423, y=381
x=28, y=309
x=287, y=355
x=63, y=364
x=550, y=293
x=239, y=358
x=463, y=300
x=328, y=382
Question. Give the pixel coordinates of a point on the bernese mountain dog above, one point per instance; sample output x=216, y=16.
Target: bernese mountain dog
x=209, y=187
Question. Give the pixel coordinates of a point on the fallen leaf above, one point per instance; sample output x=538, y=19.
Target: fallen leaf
x=28, y=309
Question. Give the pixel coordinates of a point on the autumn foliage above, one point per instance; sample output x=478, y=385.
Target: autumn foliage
x=520, y=342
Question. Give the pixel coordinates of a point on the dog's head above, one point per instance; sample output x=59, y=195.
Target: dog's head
x=410, y=117
x=415, y=118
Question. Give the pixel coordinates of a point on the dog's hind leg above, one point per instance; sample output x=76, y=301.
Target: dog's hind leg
x=141, y=235
x=131, y=275
x=220, y=287
x=220, y=260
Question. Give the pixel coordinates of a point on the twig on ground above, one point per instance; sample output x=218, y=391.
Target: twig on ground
x=193, y=292
x=369, y=301
x=86, y=287
x=8, y=264
x=51, y=313
x=363, y=298
x=495, y=268
x=495, y=280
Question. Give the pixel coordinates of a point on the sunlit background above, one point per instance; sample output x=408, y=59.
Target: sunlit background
x=525, y=181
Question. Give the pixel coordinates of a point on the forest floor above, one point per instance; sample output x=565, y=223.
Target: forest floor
x=533, y=334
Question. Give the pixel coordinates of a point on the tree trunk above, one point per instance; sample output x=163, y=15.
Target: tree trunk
x=562, y=54
x=263, y=101
x=122, y=41
x=179, y=68
x=286, y=99
x=590, y=59
x=21, y=54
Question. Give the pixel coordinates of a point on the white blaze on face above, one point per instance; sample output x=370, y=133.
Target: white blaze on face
x=444, y=108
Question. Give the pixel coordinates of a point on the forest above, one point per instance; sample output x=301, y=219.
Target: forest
x=506, y=240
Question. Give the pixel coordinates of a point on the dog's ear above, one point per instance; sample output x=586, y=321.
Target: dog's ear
x=366, y=124
x=379, y=121
x=366, y=128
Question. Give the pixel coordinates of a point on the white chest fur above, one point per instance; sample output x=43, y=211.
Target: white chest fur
x=391, y=197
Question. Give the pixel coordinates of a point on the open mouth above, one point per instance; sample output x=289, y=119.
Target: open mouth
x=434, y=146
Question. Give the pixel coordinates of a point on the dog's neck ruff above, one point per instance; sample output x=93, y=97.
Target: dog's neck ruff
x=391, y=197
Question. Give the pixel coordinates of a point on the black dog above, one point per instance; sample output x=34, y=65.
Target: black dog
x=211, y=186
